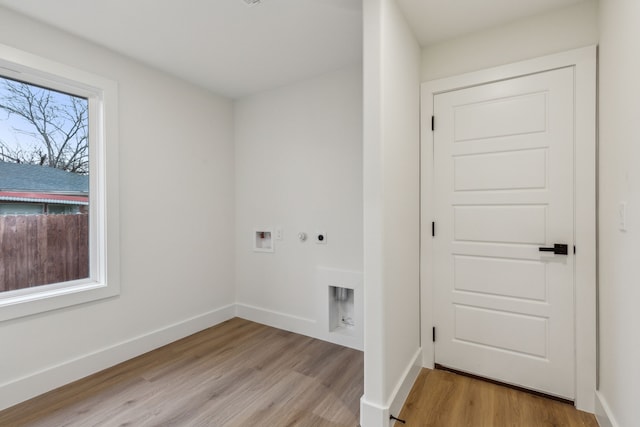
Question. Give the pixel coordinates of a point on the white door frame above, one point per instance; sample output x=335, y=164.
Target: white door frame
x=583, y=61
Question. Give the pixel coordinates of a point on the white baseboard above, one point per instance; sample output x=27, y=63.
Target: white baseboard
x=373, y=415
x=401, y=392
x=300, y=325
x=276, y=319
x=604, y=416
x=21, y=389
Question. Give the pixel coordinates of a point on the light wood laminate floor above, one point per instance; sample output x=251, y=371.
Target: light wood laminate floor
x=241, y=373
x=238, y=373
x=445, y=399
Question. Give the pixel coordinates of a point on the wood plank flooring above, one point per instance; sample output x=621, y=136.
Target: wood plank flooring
x=241, y=373
x=238, y=373
x=445, y=399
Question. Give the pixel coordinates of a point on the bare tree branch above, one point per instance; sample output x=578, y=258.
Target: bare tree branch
x=58, y=123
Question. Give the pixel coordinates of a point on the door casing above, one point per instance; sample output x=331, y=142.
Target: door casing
x=583, y=61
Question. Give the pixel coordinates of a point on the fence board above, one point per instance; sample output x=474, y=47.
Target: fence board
x=3, y=225
x=20, y=241
x=56, y=267
x=38, y=250
x=10, y=252
x=40, y=263
x=83, y=247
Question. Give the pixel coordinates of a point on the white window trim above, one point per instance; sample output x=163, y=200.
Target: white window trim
x=104, y=273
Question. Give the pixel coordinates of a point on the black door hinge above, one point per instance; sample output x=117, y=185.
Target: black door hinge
x=433, y=229
x=574, y=249
x=433, y=334
x=433, y=123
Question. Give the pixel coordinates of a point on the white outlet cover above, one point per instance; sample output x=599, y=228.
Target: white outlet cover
x=622, y=216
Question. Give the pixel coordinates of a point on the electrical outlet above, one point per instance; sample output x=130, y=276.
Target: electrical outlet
x=321, y=237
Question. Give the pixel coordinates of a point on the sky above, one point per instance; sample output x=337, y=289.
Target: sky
x=8, y=123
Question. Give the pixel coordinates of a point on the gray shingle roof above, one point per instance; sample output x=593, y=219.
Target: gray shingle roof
x=34, y=178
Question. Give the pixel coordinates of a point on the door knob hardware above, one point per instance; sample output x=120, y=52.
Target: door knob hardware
x=557, y=249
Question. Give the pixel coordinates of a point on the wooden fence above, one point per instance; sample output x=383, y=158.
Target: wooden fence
x=43, y=249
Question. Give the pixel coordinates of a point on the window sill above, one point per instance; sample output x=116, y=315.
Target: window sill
x=15, y=304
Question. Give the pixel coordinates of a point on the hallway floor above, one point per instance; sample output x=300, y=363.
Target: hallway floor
x=445, y=399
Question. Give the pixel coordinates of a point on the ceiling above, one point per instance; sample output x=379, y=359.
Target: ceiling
x=224, y=45
x=437, y=20
x=234, y=49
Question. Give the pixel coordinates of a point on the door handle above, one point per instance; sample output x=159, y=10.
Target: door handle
x=557, y=249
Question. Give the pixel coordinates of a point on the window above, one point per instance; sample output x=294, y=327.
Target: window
x=58, y=163
x=44, y=163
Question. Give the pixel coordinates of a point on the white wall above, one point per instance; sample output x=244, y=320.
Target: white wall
x=391, y=209
x=298, y=167
x=176, y=221
x=557, y=31
x=619, y=181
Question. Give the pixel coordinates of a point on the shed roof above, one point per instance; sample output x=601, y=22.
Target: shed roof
x=36, y=178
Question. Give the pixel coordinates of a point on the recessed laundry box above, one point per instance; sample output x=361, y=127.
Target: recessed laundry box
x=342, y=290
x=341, y=310
x=263, y=240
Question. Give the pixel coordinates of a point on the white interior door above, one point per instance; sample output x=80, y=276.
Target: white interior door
x=503, y=174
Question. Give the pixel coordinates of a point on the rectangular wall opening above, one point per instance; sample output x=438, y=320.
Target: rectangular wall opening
x=341, y=310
